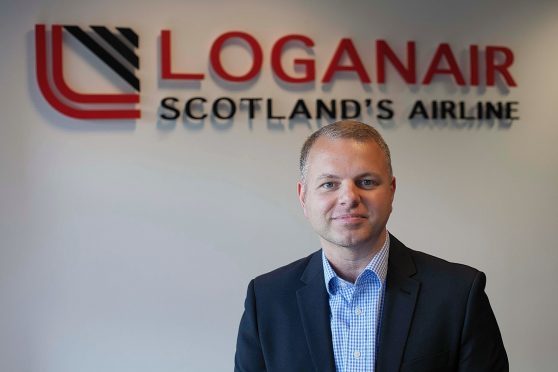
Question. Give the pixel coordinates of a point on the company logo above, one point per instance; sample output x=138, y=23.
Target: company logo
x=294, y=65
x=115, y=49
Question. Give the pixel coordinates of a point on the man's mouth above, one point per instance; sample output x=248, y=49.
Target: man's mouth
x=350, y=217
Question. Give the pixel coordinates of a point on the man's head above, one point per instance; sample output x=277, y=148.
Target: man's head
x=347, y=187
x=348, y=129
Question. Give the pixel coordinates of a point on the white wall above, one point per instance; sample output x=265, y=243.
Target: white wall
x=128, y=247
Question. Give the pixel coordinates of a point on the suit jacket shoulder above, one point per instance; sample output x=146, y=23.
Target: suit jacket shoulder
x=285, y=277
x=285, y=325
x=436, y=314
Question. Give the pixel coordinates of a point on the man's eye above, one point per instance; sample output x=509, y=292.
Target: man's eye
x=327, y=185
x=367, y=183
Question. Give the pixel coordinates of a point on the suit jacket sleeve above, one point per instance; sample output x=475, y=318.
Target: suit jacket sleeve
x=249, y=356
x=482, y=348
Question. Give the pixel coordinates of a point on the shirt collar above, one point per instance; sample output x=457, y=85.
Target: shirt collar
x=378, y=265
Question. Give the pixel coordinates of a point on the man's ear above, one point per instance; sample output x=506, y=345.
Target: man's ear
x=301, y=191
x=393, y=186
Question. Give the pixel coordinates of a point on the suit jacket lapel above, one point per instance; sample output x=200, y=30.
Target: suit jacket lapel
x=313, y=305
x=399, y=304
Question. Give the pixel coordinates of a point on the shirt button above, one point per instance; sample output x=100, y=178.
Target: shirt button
x=356, y=354
x=358, y=311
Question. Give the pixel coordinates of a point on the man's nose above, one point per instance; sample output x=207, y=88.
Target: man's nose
x=349, y=195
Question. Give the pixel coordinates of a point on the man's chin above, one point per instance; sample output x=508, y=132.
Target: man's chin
x=351, y=242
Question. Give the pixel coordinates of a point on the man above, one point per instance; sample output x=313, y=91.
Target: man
x=365, y=302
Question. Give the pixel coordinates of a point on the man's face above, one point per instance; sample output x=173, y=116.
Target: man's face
x=348, y=192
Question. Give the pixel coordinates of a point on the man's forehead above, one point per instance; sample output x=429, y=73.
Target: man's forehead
x=325, y=146
x=345, y=157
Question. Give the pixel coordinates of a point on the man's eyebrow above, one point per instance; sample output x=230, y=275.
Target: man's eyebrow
x=367, y=174
x=333, y=176
x=328, y=176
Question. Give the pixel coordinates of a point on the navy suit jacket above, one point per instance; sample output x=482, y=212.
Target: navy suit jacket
x=436, y=317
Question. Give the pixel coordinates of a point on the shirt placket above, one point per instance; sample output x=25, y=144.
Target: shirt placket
x=357, y=353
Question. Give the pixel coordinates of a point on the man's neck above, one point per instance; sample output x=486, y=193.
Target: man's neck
x=350, y=262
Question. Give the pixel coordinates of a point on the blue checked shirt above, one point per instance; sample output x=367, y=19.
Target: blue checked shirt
x=356, y=312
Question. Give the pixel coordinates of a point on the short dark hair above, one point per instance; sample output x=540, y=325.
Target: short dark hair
x=348, y=129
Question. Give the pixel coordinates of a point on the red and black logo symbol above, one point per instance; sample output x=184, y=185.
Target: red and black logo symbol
x=115, y=49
